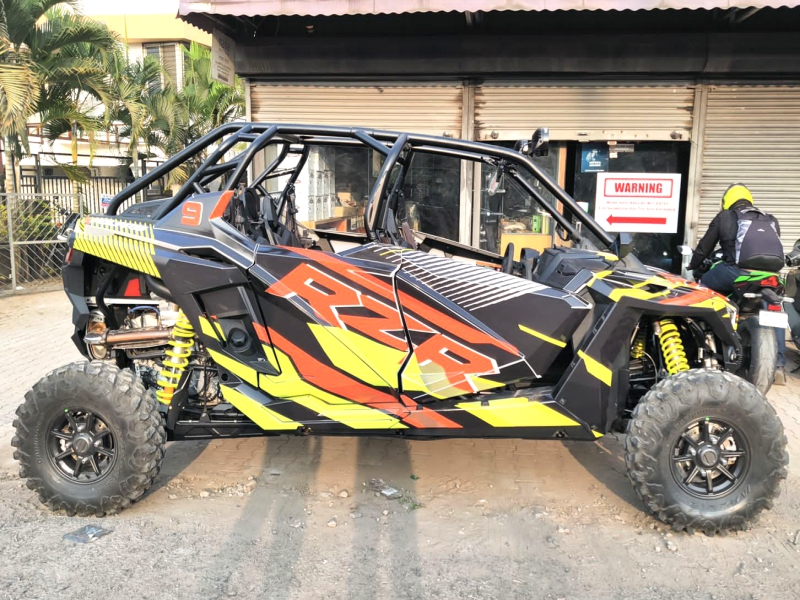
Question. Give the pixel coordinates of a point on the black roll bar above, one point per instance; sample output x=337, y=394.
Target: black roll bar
x=171, y=163
x=271, y=166
x=362, y=135
x=387, y=143
x=254, y=148
x=561, y=219
x=192, y=182
x=376, y=197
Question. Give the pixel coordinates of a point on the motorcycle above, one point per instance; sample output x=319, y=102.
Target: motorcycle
x=760, y=298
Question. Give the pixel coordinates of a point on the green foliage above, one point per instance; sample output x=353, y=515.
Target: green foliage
x=32, y=221
x=52, y=63
x=75, y=74
x=182, y=117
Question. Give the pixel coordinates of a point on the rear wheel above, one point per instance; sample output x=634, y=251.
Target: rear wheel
x=760, y=348
x=706, y=451
x=89, y=439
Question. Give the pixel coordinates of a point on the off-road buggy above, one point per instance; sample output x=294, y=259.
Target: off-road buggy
x=214, y=314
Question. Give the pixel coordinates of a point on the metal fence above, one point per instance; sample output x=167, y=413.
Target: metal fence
x=92, y=190
x=30, y=253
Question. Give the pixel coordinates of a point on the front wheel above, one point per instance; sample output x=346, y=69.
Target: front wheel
x=706, y=451
x=89, y=439
x=760, y=348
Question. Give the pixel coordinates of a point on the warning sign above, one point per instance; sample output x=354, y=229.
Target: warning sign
x=638, y=202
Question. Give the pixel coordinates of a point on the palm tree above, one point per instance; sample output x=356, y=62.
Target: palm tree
x=58, y=57
x=202, y=104
x=132, y=92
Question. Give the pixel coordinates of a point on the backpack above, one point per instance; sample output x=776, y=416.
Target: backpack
x=758, y=245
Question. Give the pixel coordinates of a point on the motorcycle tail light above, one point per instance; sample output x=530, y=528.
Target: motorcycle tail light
x=68, y=258
x=774, y=307
x=769, y=282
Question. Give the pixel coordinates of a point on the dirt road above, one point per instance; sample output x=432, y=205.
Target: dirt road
x=291, y=517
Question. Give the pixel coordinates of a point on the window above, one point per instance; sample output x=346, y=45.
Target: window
x=509, y=214
x=654, y=249
x=167, y=54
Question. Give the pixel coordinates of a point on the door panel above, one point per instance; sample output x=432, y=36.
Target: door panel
x=337, y=333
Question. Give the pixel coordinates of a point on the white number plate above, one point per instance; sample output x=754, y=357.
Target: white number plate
x=767, y=318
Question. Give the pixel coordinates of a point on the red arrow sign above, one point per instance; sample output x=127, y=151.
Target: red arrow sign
x=637, y=220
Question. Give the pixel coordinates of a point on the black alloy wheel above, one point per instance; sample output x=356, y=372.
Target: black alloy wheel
x=710, y=458
x=81, y=446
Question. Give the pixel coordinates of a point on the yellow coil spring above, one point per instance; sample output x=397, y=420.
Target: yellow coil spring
x=180, y=343
x=672, y=347
x=639, y=342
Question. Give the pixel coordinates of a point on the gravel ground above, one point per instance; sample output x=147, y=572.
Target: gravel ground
x=291, y=517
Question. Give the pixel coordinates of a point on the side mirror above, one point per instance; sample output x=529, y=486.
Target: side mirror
x=685, y=250
x=540, y=142
x=538, y=145
x=623, y=245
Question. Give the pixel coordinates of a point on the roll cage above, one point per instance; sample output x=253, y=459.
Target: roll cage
x=396, y=148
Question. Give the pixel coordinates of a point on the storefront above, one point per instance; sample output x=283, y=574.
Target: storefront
x=614, y=115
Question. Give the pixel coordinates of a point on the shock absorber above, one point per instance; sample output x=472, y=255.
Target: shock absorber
x=180, y=343
x=639, y=342
x=669, y=337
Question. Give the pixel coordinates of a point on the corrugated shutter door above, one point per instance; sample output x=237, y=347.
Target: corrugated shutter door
x=584, y=112
x=752, y=136
x=431, y=109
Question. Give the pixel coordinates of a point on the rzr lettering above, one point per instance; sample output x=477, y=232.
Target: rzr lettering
x=456, y=361
x=329, y=298
x=326, y=296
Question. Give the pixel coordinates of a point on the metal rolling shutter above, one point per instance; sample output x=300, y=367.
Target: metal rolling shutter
x=584, y=112
x=752, y=135
x=431, y=109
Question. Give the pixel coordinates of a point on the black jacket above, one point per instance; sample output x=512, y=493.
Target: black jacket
x=722, y=230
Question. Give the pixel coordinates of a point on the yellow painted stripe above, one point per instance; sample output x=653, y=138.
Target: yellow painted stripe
x=544, y=337
x=264, y=417
x=596, y=369
x=289, y=385
x=357, y=416
x=638, y=294
x=117, y=242
x=207, y=329
x=608, y=255
x=597, y=434
x=351, y=352
x=248, y=374
x=517, y=412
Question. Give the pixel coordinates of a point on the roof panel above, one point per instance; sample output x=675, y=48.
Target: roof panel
x=253, y=8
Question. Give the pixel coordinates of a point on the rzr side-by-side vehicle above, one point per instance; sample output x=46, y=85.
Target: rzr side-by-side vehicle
x=214, y=314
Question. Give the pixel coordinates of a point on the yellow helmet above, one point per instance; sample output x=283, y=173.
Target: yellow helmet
x=736, y=192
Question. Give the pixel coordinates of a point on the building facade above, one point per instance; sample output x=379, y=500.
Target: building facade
x=711, y=95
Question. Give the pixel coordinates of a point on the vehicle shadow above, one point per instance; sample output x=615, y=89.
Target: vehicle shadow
x=268, y=528
x=605, y=461
x=179, y=456
x=389, y=543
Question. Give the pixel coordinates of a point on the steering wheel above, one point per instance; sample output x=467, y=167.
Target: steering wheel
x=508, y=259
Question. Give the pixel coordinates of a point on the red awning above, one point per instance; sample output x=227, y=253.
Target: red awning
x=251, y=8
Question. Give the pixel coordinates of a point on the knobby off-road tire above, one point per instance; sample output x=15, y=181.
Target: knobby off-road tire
x=654, y=446
x=124, y=440
x=760, y=353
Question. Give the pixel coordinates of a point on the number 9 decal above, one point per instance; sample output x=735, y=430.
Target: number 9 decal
x=191, y=213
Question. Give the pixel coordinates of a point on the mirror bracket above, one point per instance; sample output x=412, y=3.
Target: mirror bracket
x=623, y=245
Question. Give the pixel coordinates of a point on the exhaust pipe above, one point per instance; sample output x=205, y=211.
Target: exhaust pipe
x=111, y=338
